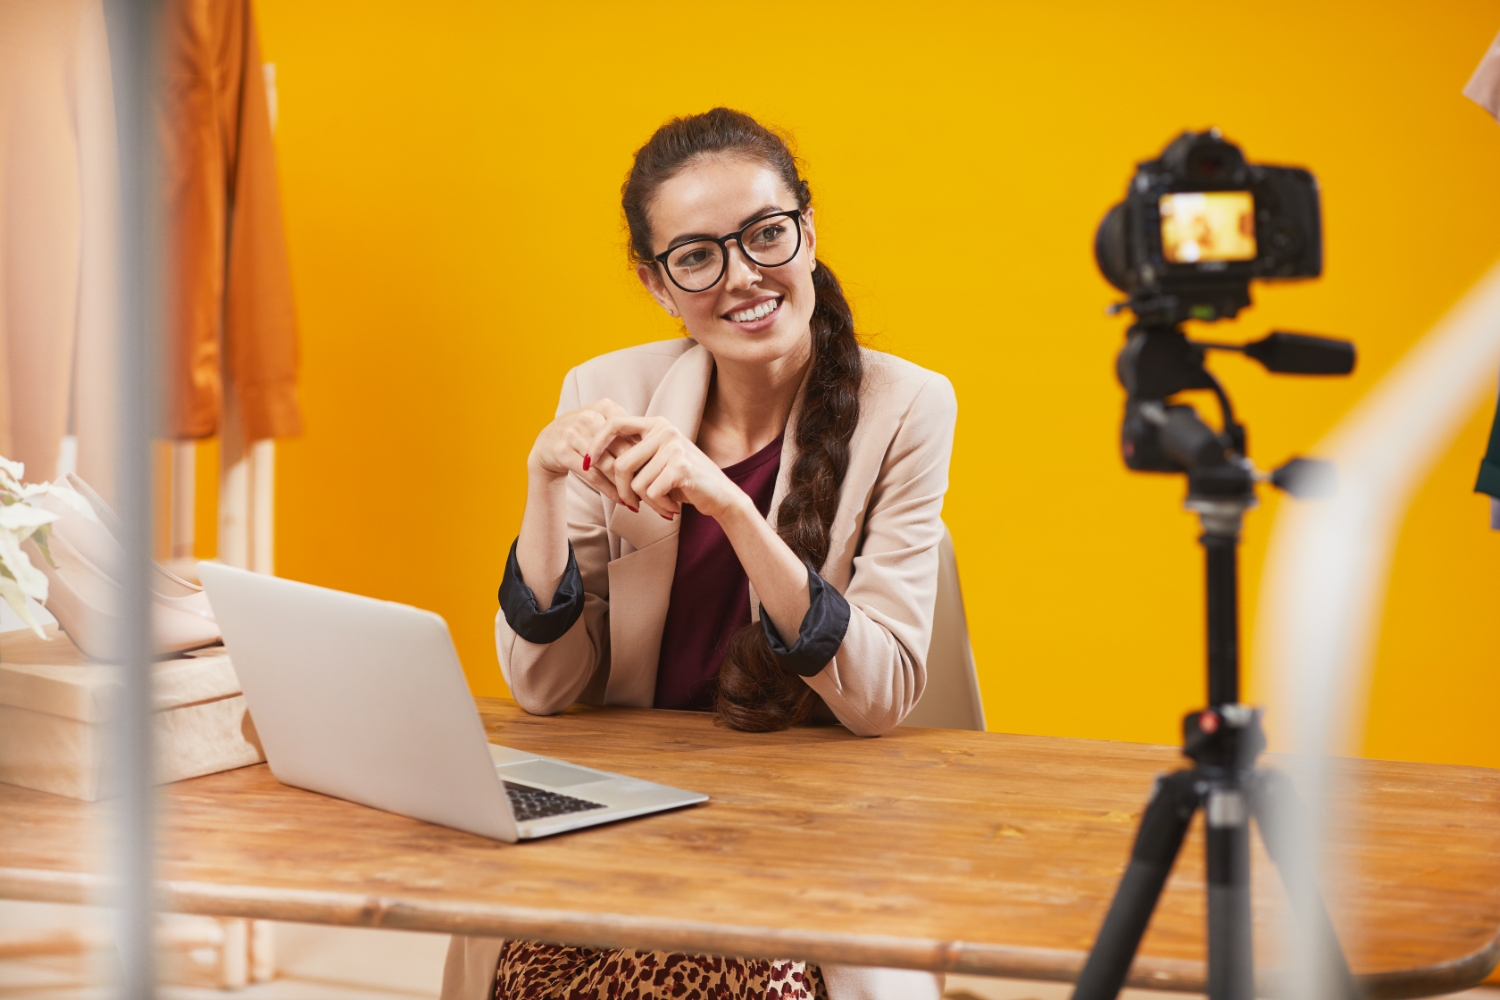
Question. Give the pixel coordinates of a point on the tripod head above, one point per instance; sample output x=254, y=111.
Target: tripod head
x=1159, y=434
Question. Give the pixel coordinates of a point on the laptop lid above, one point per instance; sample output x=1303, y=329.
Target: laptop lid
x=360, y=699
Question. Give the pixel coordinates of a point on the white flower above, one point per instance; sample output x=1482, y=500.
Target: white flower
x=19, y=521
x=10, y=475
x=22, y=519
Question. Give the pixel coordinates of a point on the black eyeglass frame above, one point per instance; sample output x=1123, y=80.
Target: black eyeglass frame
x=723, y=242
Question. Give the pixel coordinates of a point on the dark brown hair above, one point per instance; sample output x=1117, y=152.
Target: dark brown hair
x=754, y=692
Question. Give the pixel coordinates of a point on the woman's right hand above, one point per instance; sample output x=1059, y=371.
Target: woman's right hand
x=563, y=445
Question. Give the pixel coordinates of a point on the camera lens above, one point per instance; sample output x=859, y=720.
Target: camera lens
x=1110, y=252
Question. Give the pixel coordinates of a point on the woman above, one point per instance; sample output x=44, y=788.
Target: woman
x=745, y=521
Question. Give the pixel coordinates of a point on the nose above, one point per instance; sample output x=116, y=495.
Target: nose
x=740, y=270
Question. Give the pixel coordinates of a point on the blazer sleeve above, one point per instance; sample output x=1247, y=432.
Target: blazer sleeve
x=880, y=669
x=547, y=678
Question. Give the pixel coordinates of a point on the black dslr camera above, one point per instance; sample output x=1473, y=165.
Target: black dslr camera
x=1199, y=222
x=1197, y=225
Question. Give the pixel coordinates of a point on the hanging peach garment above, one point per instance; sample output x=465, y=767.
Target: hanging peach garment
x=228, y=252
x=1484, y=86
x=57, y=235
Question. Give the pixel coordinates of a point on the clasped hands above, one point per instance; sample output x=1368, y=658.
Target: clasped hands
x=634, y=461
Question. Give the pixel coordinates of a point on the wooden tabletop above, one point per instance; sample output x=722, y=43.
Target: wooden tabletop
x=935, y=849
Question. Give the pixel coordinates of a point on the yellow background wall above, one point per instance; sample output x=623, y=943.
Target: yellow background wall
x=451, y=175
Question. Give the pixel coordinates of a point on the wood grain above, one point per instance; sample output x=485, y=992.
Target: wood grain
x=945, y=850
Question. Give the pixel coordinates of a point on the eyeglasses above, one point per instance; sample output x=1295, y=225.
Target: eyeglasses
x=770, y=241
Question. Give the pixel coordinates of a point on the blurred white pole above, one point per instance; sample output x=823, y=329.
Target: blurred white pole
x=247, y=485
x=1324, y=581
x=184, y=498
x=141, y=231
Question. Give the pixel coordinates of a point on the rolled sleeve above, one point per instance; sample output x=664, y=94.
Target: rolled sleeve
x=822, y=632
x=518, y=602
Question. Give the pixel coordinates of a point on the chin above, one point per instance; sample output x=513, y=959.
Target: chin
x=765, y=346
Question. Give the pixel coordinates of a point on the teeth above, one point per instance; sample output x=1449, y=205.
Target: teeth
x=759, y=312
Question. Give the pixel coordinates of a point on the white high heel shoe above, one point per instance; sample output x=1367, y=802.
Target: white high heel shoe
x=97, y=542
x=86, y=603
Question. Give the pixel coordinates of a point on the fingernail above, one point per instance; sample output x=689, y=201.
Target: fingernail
x=666, y=517
x=587, y=462
x=633, y=510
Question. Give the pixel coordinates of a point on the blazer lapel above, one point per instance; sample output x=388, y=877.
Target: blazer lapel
x=640, y=581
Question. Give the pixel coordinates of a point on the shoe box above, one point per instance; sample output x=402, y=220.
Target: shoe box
x=55, y=707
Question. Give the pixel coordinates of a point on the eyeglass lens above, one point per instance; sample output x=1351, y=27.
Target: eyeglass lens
x=698, y=265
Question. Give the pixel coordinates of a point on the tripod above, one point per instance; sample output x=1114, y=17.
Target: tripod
x=1224, y=739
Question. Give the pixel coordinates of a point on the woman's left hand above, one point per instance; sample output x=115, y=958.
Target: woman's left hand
x=652, y=462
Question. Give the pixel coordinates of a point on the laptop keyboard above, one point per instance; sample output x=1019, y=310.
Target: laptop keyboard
x=534, y=803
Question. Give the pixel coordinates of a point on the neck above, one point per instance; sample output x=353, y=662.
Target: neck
x=748, y=404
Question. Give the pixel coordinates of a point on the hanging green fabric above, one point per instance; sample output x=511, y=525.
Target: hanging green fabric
x=1489, y=466
x=1484, y=89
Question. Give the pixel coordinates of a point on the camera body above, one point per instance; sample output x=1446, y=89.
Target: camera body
x=1199, y=222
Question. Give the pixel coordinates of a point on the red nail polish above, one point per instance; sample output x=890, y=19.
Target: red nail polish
x=666, y=517
x=586, y=463
x=633, y=510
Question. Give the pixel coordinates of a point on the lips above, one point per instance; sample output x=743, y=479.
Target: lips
x=753, y=313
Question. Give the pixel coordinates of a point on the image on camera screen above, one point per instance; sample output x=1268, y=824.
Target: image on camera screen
x=1207, y=225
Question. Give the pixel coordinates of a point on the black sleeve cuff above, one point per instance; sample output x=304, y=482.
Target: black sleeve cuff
x=822, y=633
x=518, y=601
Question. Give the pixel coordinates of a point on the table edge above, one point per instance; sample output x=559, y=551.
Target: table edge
x=613, y=930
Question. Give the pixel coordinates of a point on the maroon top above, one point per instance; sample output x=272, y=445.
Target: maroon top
x=710, y=593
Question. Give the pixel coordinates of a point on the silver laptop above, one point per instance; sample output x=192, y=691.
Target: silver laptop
x=365, y=700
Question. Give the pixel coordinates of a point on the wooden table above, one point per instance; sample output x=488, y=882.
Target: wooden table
x=933, y=849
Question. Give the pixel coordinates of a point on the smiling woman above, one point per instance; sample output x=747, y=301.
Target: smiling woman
x=744, y=521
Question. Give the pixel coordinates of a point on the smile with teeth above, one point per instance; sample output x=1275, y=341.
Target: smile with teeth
x=759, y=312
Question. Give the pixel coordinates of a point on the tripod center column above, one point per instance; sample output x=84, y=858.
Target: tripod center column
x=1222, y=562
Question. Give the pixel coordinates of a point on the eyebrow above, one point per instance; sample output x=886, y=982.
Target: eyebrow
x=690, y=237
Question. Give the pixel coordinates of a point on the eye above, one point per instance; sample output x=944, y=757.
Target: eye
x=769, y=233
x=696, y=257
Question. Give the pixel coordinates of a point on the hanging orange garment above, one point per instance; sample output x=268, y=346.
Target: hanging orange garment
x=229, y=290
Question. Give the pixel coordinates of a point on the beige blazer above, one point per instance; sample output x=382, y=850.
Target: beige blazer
x=882, y=553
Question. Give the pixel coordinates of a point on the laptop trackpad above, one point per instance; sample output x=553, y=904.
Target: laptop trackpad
x=550, y=773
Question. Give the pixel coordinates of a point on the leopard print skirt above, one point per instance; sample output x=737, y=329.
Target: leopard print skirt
x=531, y=971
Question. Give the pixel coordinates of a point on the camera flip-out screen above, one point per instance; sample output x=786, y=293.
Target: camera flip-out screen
x=1198, y=226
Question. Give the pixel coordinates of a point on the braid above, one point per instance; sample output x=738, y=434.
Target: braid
x=755, y=694
x=830, y=412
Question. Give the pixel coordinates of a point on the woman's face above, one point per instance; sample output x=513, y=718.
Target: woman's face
x=713, y=197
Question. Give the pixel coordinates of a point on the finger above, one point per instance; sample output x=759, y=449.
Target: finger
x=581, y=429
x=608, y=408
x=621, y=475
x=655, y=483
x=636, y=455
x=619, y=426
x=648, y=485
x=627, y=461
x=604, y=472
x=601, y=484
x=620, y=445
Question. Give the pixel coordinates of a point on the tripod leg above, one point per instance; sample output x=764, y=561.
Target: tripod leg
x=1157, y=842
x=1272, y=793
x=1231, y=959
